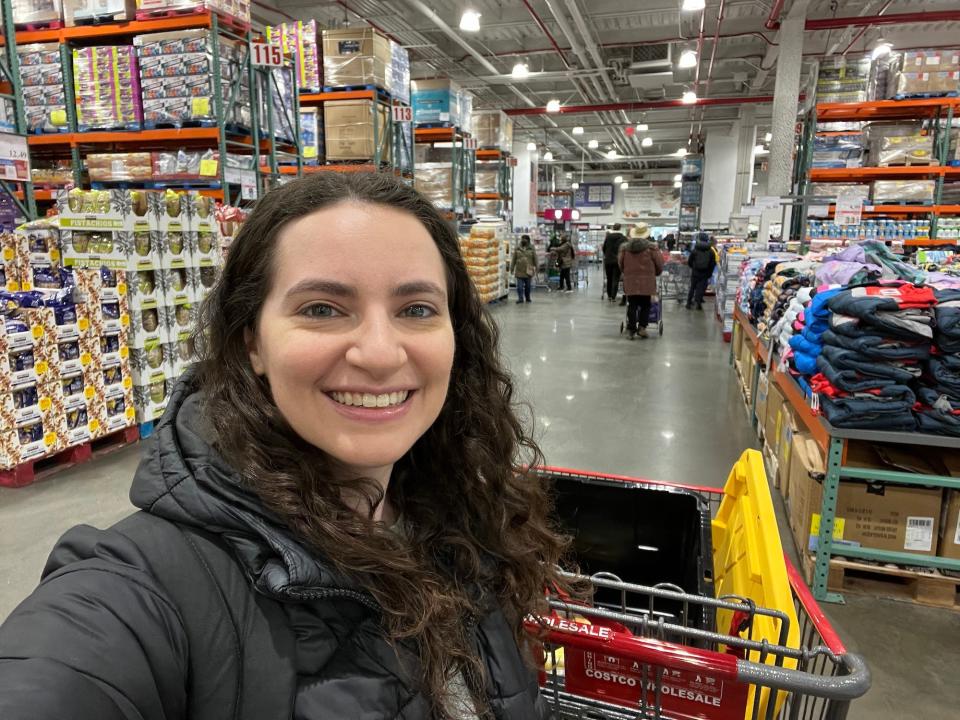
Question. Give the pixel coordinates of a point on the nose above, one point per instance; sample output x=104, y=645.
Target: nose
x=377, y=346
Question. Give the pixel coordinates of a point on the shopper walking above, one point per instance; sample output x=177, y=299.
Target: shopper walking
x=336, y=520
x=702, y=261
x=524, y=267
x=565, y=255
x=611, y=266
x=641, y=264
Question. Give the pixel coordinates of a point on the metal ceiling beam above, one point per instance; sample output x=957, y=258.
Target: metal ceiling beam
x=893, y=19
x=448, y=31
x=647, y=105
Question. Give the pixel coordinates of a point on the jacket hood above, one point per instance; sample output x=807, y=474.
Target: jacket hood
x=638, y=245
x=182, y=478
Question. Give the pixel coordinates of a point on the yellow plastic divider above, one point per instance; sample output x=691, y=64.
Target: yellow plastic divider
x=748, y=562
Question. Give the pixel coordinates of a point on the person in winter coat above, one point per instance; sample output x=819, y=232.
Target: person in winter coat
x=641, y=263
x=702, y=261
x=524, y=267
x=611, y=266
x=335, y=517
x=565, y=255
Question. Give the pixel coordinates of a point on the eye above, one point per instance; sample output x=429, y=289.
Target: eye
x=419, y=311
x=319, y=310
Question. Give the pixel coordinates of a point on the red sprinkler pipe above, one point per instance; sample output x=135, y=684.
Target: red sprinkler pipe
x=545, y=31
x=898, y=19
x=773, y=19
x=713, y=53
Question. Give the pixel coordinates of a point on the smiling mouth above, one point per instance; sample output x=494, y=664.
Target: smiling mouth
x=369, y=400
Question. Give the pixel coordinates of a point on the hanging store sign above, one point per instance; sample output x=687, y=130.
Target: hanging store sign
x=594, y=195
x=768, y=202
x=402, y=113
x=849, y=208
x=266, y=55
x=14, y=158
x=248, y=184
x=655, y=202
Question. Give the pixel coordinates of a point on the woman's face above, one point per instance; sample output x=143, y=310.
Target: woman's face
x=354, y=337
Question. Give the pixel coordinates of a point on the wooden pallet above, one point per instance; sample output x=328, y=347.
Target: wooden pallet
x=30, y=472
x=893, y=582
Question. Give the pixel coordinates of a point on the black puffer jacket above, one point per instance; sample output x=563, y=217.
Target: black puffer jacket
x=203, y=606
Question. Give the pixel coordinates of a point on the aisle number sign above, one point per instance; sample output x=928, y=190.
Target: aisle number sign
x=470, y=143
x=266, y=54
x=402, y=113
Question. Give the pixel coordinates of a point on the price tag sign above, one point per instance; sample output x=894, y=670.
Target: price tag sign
x=266, y=54
x=14, y=157
x=470, y=143
x=849, y=209
x=402, y=113
x=248, y=184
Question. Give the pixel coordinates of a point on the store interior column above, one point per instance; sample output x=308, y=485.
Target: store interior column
x=746, y=129
x=719, y=165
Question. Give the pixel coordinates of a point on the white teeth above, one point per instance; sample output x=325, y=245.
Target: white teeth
x=370, y=400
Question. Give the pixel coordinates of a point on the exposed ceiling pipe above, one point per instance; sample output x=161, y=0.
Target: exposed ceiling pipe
x=864, y=29
x=273, y=9
x=713, y=53
x=543, y=28
x=880, y=19
x=448, y=31
x=643, y=105
x=773, y=19
x=372, y=24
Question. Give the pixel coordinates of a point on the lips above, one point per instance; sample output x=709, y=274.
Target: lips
x=370, y=400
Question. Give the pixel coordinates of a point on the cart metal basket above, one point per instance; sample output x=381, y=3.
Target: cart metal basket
x=640, y=652
x=676, y=281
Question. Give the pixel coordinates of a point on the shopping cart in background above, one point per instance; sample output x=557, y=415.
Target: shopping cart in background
x=655, y=317
x=676, y=280
x=732, y=632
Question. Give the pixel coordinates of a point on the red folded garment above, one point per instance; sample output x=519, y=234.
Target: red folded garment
x=907, y=296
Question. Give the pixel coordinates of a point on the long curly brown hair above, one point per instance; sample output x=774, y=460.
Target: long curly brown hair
x=477, y=523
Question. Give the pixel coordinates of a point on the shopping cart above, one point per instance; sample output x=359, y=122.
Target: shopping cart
x=647, y=651
x=656, y=310
x=676, y=280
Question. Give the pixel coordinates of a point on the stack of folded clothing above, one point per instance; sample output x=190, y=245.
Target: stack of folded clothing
x=873, y=353
x=808, y=342
x=938, y=393
x=791, y=322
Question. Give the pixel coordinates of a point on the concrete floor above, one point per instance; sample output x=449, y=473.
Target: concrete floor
x=664, y=408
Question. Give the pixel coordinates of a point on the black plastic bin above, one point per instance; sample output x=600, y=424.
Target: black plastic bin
x=645, y=534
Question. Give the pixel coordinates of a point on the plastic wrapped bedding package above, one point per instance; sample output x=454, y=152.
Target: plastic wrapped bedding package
x=356, y=56
x=435, y=182
x=44, y=97
x=40, y=12
x=843, y=79
x=493, y=129
x=349, y=130
x=892, y=191
x=75, y=11
x=838, y=151
x=834, y=190
x=901, y=143
x=107, y=86
x=238, y=9
x=487, y=177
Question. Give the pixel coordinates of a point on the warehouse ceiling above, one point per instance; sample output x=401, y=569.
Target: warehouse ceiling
x=603, y=52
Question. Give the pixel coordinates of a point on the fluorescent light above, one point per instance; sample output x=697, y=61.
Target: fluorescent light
x=547, y=156
x=553, y=106
x=882, y=48
x=574, y=185
x=578, y=130
x=677, y=183
x=646, y=142
x=681, y=152
x=470, y=21
x=557, y=214
x=593, y=144
x=568, y=175
x=624, y=186
x=760, y=150
x=693, y=5
x=688, y=59
x=642, y=127
x=612, y=154
x=618, y=179
x=689, y=97
x=768, y=137
x=531, y=146
x=677, y=177
x=520, y=71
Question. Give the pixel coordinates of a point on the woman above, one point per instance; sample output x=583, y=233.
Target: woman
x=523, y=265
x=335, y=521
x=565, y=262
x=641, y=263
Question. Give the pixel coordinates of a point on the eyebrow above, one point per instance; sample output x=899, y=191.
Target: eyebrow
x=420, y=287
x=339, y=289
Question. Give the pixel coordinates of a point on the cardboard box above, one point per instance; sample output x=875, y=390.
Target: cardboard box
x=807, y=467
x=771, y=418
x=949, y=546
x=436, y=101
x=763, y=389
x=348, y=127
x=786, y=427
x=493, y=129
x=356, y=56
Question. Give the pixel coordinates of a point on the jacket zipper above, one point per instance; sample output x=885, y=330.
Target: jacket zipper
x=355, y=595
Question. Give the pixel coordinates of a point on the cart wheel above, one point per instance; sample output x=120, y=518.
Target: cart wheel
x=660, y=327
x=622, y=328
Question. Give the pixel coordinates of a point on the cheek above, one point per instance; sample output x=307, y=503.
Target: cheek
x=296, y=359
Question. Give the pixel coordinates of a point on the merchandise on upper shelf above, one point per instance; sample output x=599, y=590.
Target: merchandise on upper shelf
x=896, y=191
x=899, y=143
x=838, y=151
x=493, y=129
x=36, y=12
x=312, y=136
x=399, y=72
x=44, y=97
x=107, y=87
x=299, y=38
x=237, y=9
x=842, y=79
x=349, y=132
x=436, y=101
x=357, y=56
x=435, y=181
x=159, y=165
x=77, y=12
x=276, y=101
x=922, y=73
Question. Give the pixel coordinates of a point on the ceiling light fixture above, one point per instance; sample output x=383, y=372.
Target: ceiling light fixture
x=578, y=130
x=768, y=137
x=677, y=183
x=678, y=177
x=760, y=150
x=547, y=156
x=612, y=154
x=646, y=142
x=531, y=146
x=575, y=185
x=618, y=179
x=553, y=106
x=557, y=214
x=882, y=48
x=642, y=127
x=574, y=214
x=681, y=152
x=568, y=175
x=624, y=185
x=520, y=71
x=689, y=97
x=688, y=59
x=593, y=144
x=470, y=21
x=693, y=5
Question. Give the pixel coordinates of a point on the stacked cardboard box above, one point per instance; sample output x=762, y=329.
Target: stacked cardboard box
x=106, y=82
x=399, y=72
x=237, y=9
x=349, y=130
x=85, y=11
x=356, y=56
x=436, y=101
x=493, y=129
x=36, y=12
x=843, y=79
x=922, y=73
x=44, y=97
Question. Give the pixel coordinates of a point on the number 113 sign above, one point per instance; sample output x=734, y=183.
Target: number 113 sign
x=266, y=55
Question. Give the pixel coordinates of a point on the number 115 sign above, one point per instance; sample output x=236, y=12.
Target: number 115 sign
x=265, y=54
